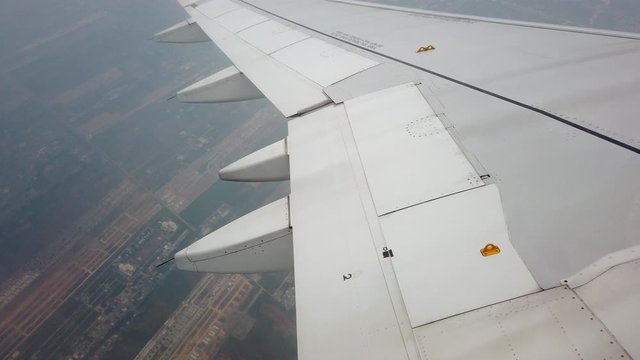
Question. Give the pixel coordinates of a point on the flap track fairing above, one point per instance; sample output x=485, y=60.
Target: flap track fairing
x=271, y=163
x=187, y=31
x=224, y=86
x=261, y=241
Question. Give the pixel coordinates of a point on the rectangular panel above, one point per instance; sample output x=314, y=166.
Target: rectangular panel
x=240, y=19
x=408, y=155
x=287, y=90
x=322, y=62
x=271, y=36
x=438, y=260
x=550, y=325
x=615, y=298
x=336, y=261
x=215, y=8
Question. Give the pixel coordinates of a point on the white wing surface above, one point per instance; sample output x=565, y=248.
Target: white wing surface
x=461, y=187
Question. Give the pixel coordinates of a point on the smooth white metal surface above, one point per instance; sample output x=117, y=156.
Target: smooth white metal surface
x=258, y=241
x=343, y=309
x=438, y=262
x=408, y=155
x=569, y=197
x=272, y=78
x=601, y=265
x=322, y=62
x=224, y=86
x=215, y=8
x=240, y=19
x=291, y=93
x=184, y=32
x=271, y=163
x=271, y=36
x=380, y=77
x=552, y=324
x=552, y=69
x=615, y=299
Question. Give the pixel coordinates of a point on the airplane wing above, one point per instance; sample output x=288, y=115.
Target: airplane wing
x=461, y=187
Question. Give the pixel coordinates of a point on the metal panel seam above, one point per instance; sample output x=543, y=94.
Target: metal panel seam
x=352, y=75
x=391, y=282
x=434, y=199
x=604, y=325
x=217, y=16
x=492, y=304
x=534, y=25
x=467, y=85
x=282, y=48
x=310, y=87
x=249, y=27
x=451, y=129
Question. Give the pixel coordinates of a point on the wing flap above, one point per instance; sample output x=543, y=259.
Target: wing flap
x=408, y=155
x=439, y=258
x=323, y=63
x=215, y=8
x=271, y=77
x=277, y=58
x=336, y=260
x=240, y=19
x=271, y=36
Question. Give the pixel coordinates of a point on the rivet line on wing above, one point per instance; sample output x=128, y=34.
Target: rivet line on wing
x=467, y=85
